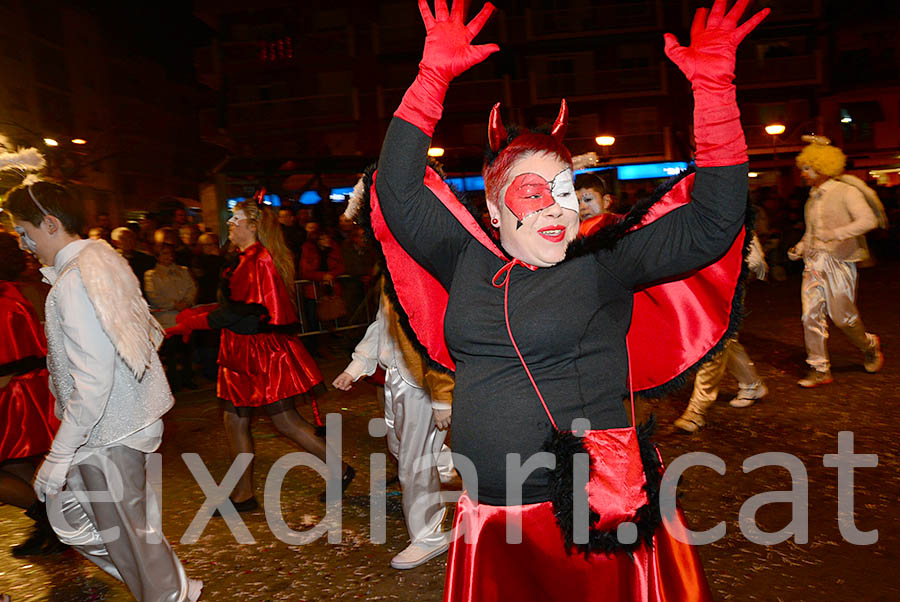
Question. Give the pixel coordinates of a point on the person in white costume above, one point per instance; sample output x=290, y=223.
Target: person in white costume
x=111, y=394
x=417, y=412
x=733, y=358
x=840, y=210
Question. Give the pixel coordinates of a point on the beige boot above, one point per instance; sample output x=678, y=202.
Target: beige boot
x=693, y=418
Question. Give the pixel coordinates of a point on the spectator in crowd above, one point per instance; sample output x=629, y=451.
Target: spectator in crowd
x=169, y=289
x=125, y=241
x=104, y=223
x=97, y=233
x=168, y=235
x=359, y=263
x=207, y=269
x=189, y=234
x=320, y=262
x=180, y=217
x=294, y=236
x=147, y=227
x=304, y=216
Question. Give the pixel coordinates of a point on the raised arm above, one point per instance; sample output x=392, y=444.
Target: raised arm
x=417, y=219
x=701, y=231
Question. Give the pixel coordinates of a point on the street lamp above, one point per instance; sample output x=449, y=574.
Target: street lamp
x=435, y=151
x=775, y=130
x=79, y=141
x=605, y=141
x=50, y=142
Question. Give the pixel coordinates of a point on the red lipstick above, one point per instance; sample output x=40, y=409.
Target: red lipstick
x=555, y=233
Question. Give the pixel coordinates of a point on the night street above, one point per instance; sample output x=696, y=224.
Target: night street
x=804, y=423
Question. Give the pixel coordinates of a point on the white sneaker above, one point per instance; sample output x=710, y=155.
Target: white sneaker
x=195, y=588
x=747, y=396
x=418, y=553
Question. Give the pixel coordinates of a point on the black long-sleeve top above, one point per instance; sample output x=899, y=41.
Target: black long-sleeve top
x=569, y=320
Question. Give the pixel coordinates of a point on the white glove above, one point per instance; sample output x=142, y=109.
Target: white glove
x=756, y=260
x=441, y=419
x=51, y=476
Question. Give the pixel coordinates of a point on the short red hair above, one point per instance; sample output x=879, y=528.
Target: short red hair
x=496, y=173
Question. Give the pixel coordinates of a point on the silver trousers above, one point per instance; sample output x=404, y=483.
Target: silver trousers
x=829, y=287
x=421, y=455
x=124, y=538
x=733, y=358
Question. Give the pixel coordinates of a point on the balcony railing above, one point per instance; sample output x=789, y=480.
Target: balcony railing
x=600, y=84
x=329, y=106
x=587, y=20
x=779, y=71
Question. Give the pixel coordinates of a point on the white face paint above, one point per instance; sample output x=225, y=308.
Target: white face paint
x=26, y=240
x=237, y=216
x=562, y=188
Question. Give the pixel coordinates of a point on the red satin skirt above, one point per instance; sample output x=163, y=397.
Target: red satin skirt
x=259, y=369
x=482, y=567
x=26, y=413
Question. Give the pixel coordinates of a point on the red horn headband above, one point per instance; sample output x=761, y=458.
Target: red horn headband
x=497, y=134
x=558, y=130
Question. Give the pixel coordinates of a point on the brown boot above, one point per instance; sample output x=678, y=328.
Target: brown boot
x=816, y=378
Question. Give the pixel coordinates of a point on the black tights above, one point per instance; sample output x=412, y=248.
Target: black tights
x=15, y=482
x=288, y=422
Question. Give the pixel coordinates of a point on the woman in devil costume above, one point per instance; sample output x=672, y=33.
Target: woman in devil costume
x=260, y=363
x=26, y=406
x=541, y=332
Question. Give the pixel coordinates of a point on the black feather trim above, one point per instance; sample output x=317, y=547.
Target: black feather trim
x=564, y=445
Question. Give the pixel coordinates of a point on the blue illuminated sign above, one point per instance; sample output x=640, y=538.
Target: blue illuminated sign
x=650, y=170
x=310, y=197
x=467, y=183
x=340, y=195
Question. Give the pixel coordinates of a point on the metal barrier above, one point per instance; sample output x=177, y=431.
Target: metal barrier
x=357, y=317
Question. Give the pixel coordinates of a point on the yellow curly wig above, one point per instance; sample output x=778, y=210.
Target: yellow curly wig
x=825, y=159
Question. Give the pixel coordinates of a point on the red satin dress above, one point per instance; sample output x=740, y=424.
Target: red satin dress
x=26, y=405
x=259, y=369
x=482, y=567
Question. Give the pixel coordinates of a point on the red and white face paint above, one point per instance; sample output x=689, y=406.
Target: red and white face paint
x=539, y=211
x=531, y=192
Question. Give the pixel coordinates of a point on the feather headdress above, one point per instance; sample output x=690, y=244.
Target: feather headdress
x=24, y=161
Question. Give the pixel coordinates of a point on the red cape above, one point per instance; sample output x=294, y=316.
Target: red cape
x=255, y=280
x=676, y=325
x=26, y=405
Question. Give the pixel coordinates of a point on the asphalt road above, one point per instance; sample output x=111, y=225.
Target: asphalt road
x=802, y=423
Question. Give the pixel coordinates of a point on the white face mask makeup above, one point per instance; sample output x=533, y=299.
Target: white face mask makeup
x=237, y=216
x=563, y=190
x=26, y=240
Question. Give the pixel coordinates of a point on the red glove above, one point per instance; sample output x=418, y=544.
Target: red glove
x=447, y=53
x=709, y=65
x=186, y=322
x=192, y=311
